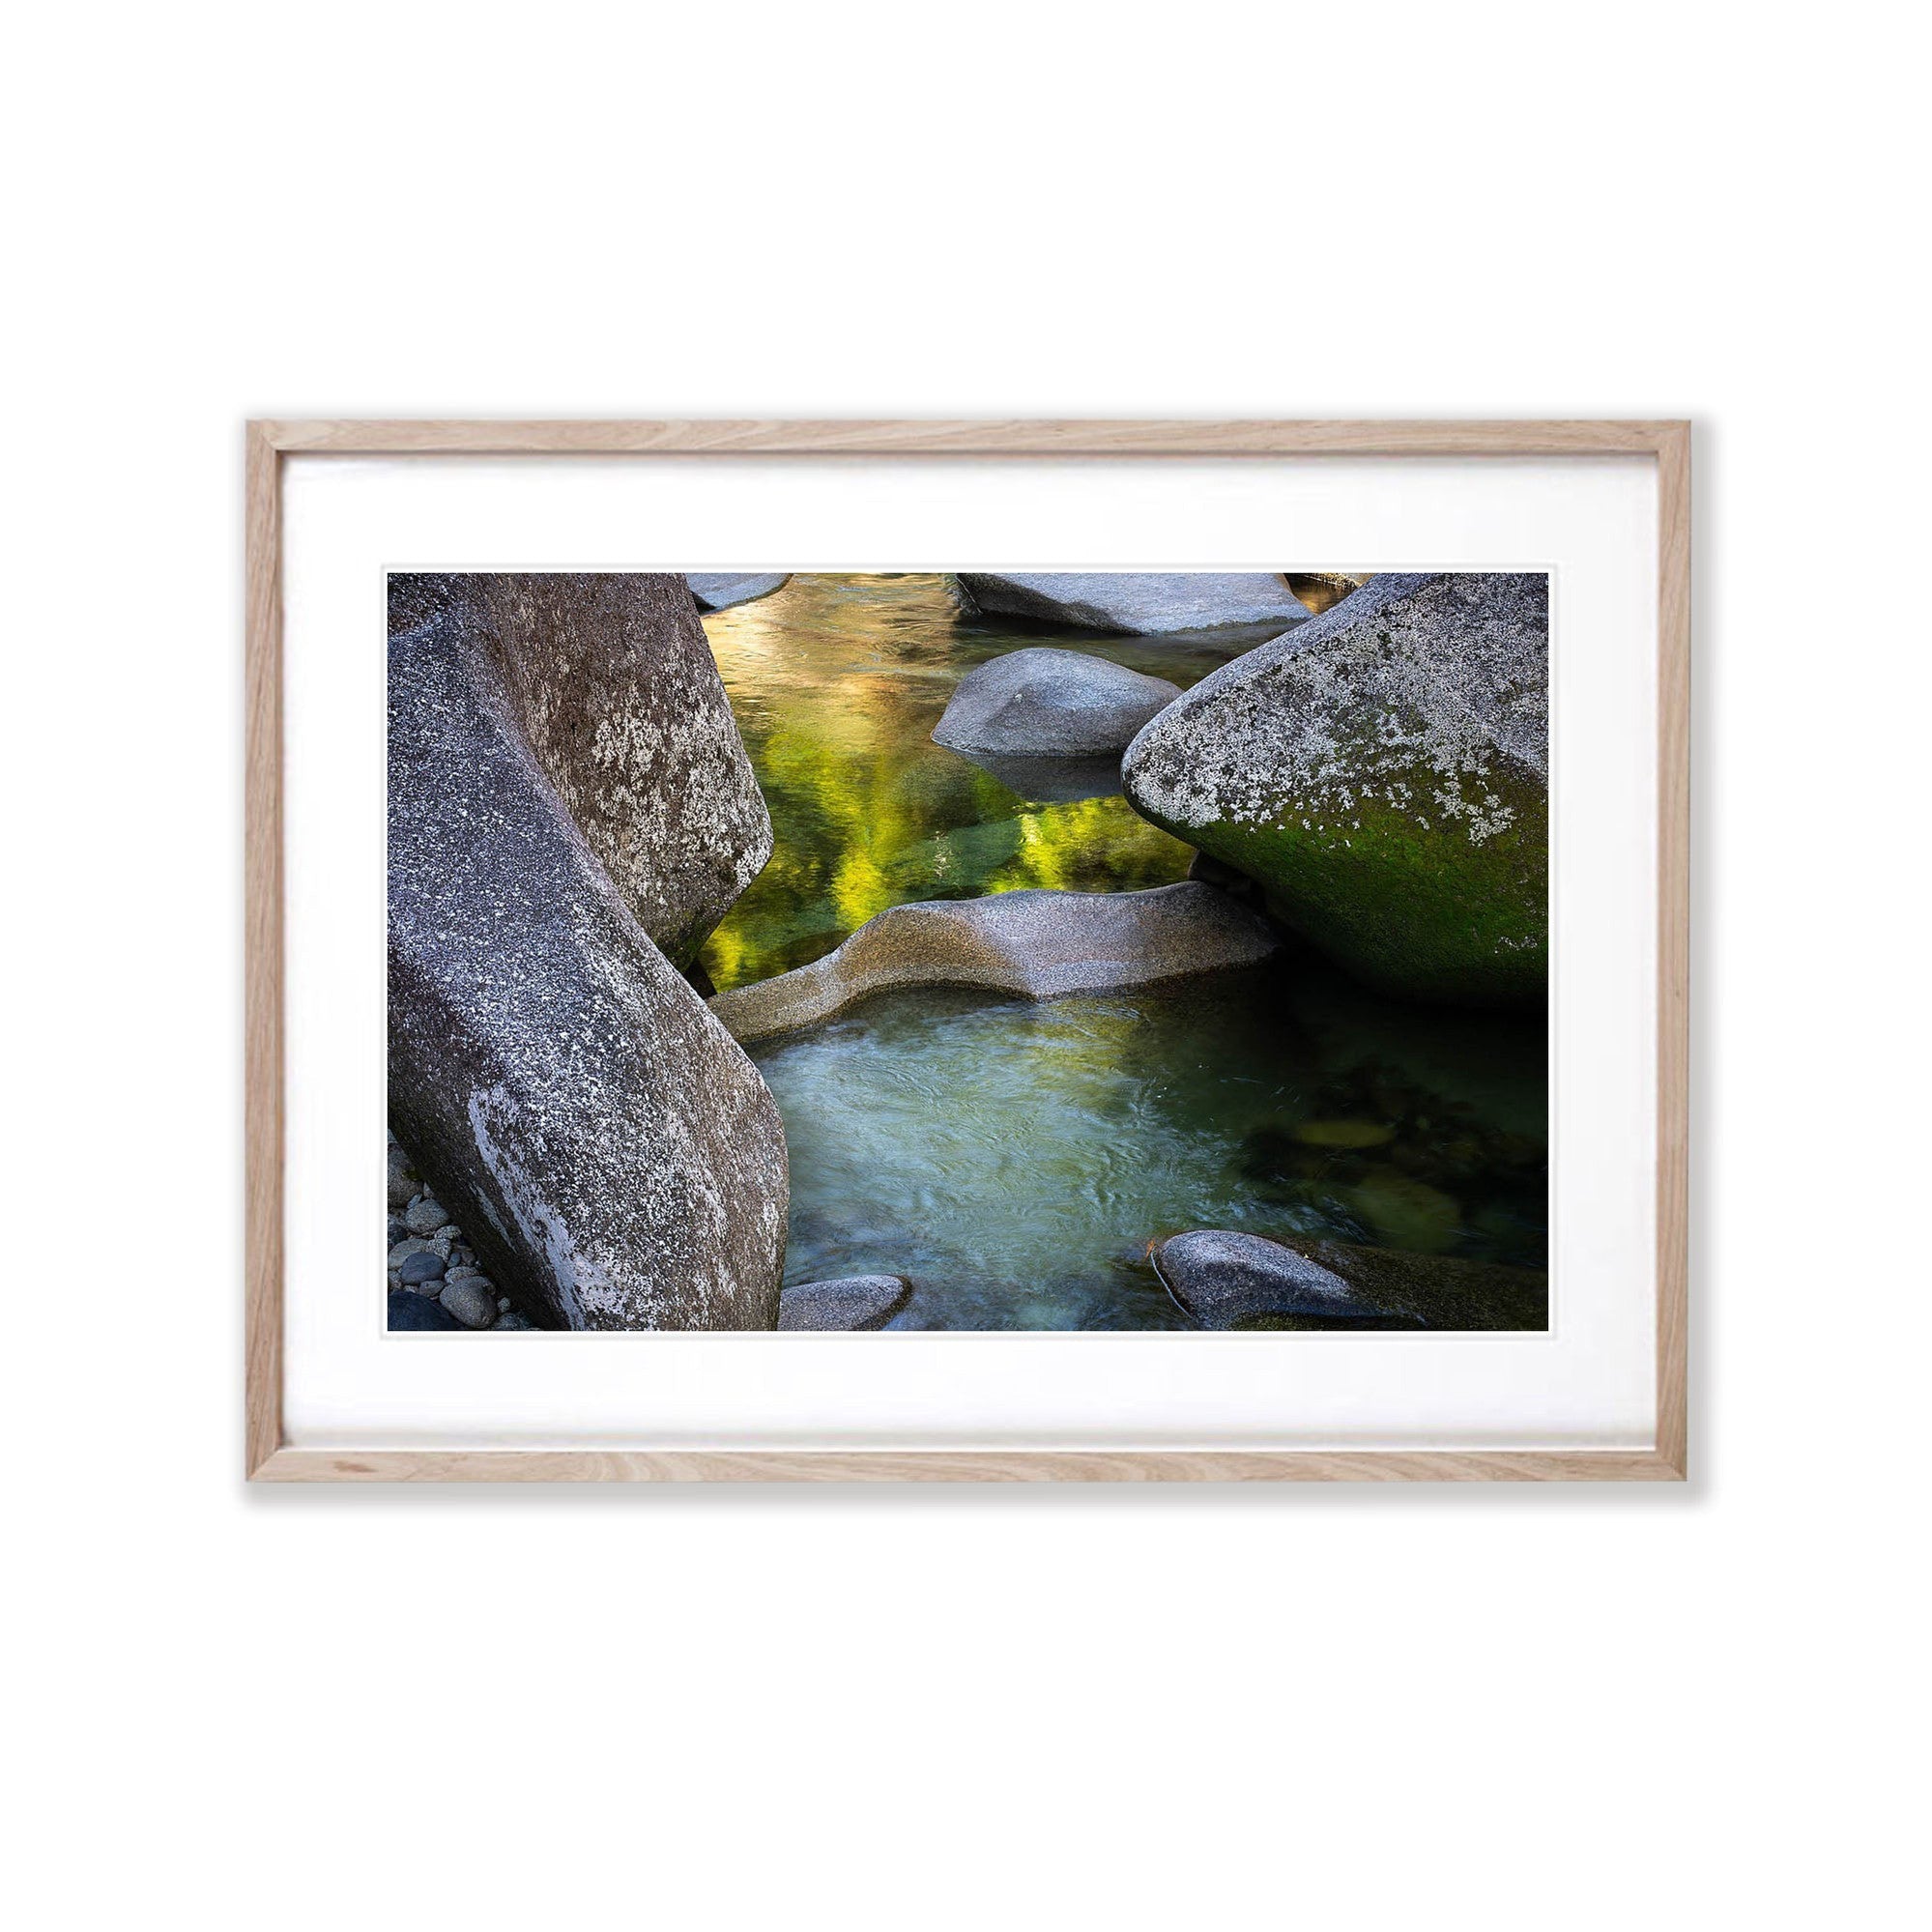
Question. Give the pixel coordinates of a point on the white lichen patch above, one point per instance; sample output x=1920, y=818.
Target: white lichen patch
x=1425, y=697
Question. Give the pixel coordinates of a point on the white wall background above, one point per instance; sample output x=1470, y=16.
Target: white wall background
x=913, y=1709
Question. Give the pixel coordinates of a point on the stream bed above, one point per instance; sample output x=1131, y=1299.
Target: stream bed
x=1016, y=1160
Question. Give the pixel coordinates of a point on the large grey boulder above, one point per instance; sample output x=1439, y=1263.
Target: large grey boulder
x=611, y=685
x=851, y=1302
x=718, y=591
x=611, y=1153
x=1058, y=704
x=1140, y=601
x=1382, y=771
x=1037, y=943
x=1222, y=1277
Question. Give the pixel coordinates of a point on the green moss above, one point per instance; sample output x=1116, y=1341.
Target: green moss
x=1417, y=910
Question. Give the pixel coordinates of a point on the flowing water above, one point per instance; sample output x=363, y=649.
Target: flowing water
x=1014, y=1160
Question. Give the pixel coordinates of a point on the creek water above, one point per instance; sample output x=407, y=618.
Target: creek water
x=1014, y=1160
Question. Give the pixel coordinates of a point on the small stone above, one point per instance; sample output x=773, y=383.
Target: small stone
x=1344, y=1133
x=503, y=1305
x=473, y=1302
x=851, y=1301
x=404, y=1185
x=1219, y=1278
x=421, y=1268
x=460, y=1270
x=425, y=1214
x=418, y=1312
x=403, y=1250
x=398, y=1230
x=510, y=1320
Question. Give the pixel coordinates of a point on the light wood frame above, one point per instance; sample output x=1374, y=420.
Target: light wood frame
x=270, y=1459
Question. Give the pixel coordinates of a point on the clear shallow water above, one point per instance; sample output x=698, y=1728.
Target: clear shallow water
x=1016, y=1160
x=836, y=683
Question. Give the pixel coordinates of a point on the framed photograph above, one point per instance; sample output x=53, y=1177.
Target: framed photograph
x=966, y=951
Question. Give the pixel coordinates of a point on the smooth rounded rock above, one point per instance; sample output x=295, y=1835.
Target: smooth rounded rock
x=425, y=1216
x=1220, y=1278
x=1140, y=601
x=418, y=1312
x=472, y=1301
x=719, y=591
x=1038, y=943
x=419, y=1268
x=1437, y=1290
x=851, y=1301
x=1045, y=703
x=403, y=1250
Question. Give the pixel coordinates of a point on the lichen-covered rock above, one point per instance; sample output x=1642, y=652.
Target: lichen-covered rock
x=1222, y=1277
x=610, y=1152
x=851, y=1302
x=1140, y=601
x=613, y=687
x=1061, y=704
x=1382, y=771
x=1037, y=943
x=719, y=591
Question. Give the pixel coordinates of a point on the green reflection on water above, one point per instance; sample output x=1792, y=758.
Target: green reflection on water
x=836, y=683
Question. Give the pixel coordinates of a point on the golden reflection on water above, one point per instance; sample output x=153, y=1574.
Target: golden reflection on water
x=837, y=682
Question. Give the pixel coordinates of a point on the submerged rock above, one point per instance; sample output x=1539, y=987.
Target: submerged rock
x=1061, y=704
x=1437, y=1291
x=1052, y=781
x=612, y=1155
x=1222, y=1277
x=1145, y=602
x=852, y=1302
x=1038, y=943
x=609, y=680
x=1382, y=771
x=718, y=591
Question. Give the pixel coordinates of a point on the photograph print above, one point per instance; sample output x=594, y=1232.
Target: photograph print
x=967, y=950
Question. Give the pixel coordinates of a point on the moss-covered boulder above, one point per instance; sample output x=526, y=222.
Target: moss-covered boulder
x=1382, y=771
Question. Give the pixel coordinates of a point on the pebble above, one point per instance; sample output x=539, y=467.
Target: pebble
x=404, y=1185
x=473, y=1302
x=425, y=1214
x=430, y=1264
x=420, y=1268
